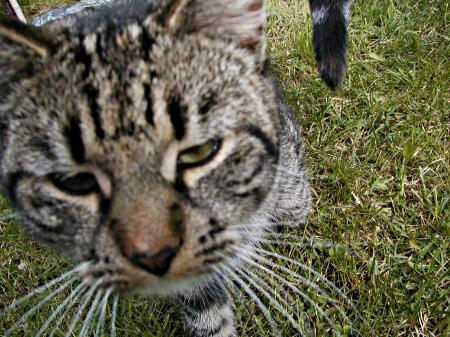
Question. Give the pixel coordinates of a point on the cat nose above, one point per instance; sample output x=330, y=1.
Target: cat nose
x=155, y=263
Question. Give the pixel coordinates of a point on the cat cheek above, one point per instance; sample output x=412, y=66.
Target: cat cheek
x=60, y=226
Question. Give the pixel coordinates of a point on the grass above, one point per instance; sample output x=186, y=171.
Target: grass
x=379, y=163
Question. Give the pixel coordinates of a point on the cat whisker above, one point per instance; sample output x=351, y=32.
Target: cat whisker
x=247, y=254
x=254, y=297
x=285, y=223
x=297, y=244
x=230, y=296
x=85, y=301
x=290, y=172
x=294, y=240
x=271, y=237
x=302, y=279
x=101, y=322
x=321, y=277
x=330, y=284
x=114, y=315
x=284, y=281
x=269, y=226
x=68, y=275
x=308, y=269
x=290, y=236
x=13, y=216
x=88, y=320
x=265, y=227
x=68, y=308
x=235, y=296
x=73, y=295
x=37, y=306
x=256, y=248
x=254, y=280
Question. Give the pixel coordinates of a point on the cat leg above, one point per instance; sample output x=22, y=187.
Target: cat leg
x=207, y=311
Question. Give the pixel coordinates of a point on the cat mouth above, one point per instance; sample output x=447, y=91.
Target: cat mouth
x=109, y=268
x=134, y=280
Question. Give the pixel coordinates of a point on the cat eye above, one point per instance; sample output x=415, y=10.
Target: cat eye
x=199, y=155
x=80, y=184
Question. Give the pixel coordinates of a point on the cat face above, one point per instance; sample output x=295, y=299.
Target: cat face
x=140, y=145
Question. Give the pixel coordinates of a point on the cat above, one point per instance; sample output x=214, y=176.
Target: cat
x=149, y=142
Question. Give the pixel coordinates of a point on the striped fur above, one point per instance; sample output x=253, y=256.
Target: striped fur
x=95, y=111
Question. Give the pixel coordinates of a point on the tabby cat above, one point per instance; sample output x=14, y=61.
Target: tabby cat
x=149, y=141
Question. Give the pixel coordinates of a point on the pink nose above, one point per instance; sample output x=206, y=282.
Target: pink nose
x=155, y=263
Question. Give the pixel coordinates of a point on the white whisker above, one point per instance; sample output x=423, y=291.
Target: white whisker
x=68, y=308
x=233, y=303
x=60, y=307
x=36, y=307
x=264, y=225
x=260, y=234
x=309, y=269
x=271, y=298
x=302, y=279
x=296, y=290
x=41, y=289
x=101, y=322
x=272, y=290
x=330, y=284
x=268, y=227
x=298, y=244
x=287, y=170
x=300, y=240
x=13, y=216
x=88, y=320
x=236, y=296
x=254, y=297
x=114, y=316
x=84, y=303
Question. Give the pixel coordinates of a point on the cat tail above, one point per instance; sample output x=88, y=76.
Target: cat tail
x=330, y=20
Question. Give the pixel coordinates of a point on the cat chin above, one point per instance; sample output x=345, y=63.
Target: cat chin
x=172, y=287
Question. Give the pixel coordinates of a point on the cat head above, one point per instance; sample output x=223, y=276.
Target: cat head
x=140, y=139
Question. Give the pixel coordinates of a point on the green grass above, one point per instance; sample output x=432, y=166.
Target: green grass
x=379, y=163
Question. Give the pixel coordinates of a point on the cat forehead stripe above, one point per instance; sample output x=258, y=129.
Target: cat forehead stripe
x=149, y=102
x=177, y=112
x=84, y=56
x=72, y=133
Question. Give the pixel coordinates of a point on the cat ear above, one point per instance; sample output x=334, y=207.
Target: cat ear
x=15, y=35
x=23, y=49
x=240, y=20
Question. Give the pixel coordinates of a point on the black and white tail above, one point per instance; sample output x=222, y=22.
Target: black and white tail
x=330, y=19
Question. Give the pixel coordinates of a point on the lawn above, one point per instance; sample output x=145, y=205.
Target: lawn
x=378, y=156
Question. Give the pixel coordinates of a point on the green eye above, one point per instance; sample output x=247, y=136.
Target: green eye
x=199, y=155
